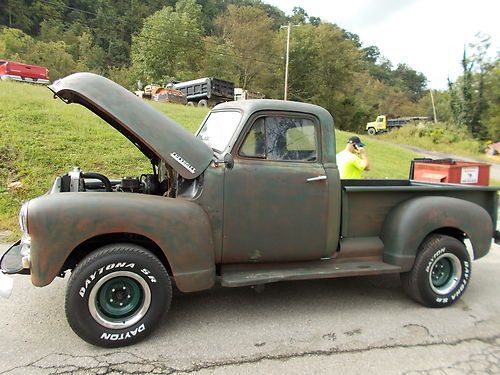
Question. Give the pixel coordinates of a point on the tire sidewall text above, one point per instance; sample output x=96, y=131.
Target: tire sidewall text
x=85, y=281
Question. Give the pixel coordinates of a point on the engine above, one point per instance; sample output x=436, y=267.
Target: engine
x=78, y=181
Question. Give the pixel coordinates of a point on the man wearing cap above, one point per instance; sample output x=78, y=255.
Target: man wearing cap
x=349, y=163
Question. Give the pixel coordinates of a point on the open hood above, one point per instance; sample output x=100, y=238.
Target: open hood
x=156, y=135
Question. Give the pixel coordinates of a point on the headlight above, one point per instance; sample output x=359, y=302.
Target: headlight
x=23, y=218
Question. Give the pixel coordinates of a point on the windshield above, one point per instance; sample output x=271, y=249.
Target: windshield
x=218, y=129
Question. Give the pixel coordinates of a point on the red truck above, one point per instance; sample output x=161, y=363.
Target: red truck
x=23, y=72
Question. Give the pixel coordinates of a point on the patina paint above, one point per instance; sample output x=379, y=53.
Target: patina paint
x=258, y=213
x=211, y=199
x=156, y=135
x=58, y=223
x=409, y=223
x=271, y=213
x=365, y=208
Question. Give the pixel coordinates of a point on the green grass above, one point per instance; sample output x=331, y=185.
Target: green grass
x=41, y=137
x=386, y=160
x=440, y=137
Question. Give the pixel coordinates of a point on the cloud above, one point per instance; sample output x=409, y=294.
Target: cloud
x=372, y=13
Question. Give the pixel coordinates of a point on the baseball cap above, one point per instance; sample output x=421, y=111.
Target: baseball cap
x=356, y=140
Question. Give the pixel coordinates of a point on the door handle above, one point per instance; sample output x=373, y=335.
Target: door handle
x=319, y=178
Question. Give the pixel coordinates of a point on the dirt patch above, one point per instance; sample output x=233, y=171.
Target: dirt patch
x=5, y=235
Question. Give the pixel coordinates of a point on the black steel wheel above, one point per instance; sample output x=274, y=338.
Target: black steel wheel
x=117, y=295
x=440, y=274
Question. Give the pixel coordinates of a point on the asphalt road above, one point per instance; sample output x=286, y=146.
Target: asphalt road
x=339, y=326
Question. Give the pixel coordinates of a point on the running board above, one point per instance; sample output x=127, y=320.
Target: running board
x=235, y=275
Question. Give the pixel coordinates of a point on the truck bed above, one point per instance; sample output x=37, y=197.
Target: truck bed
x=366, y=203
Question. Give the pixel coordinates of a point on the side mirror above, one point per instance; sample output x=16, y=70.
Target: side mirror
x=229, y=161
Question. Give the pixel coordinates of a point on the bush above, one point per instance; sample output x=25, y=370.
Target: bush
x=444, y=137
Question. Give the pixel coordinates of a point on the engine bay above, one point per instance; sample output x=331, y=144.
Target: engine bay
x=164, y=181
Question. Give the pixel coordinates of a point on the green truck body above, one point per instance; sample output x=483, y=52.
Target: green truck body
x=255, y=197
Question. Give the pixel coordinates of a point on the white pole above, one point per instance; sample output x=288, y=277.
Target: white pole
x=433, y=107
x=287, y=57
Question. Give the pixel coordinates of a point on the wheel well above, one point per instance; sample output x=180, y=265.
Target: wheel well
x=452, y=232
x=85, y=248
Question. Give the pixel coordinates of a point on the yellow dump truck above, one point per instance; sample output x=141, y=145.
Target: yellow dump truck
x=383, y=123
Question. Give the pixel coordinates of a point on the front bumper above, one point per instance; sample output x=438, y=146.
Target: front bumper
x=14, y=260
x=496, y=237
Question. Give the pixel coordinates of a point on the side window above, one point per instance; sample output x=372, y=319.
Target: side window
x=281, y=138
x=254, y=145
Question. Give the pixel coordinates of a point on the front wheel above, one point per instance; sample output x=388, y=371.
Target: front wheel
x=372, y=131
x=117, y=295
x=440, y=273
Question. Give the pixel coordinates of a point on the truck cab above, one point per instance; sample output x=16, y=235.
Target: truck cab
x=283, y=154
x=377, y=126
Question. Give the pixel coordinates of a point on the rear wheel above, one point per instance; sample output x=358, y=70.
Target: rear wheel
x=203, y=103
x=117, y=295
x=440, y=273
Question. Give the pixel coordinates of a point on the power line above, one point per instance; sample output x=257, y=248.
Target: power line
x=213, y=52
x=73, y=8
x=225, y=54
x=155, y=30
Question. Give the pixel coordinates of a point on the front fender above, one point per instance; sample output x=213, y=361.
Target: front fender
x=407, y=225
x=58, y=223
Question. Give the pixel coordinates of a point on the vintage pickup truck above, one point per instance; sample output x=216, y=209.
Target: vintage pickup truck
x=254, y=197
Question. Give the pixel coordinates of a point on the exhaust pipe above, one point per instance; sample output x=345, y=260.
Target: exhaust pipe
x=6, y=285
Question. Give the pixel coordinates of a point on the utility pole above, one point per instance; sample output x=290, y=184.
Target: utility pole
x=287, y=58
x=289, y=27
x=433, y=107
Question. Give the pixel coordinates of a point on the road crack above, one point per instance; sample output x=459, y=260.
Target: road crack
x=123, y=362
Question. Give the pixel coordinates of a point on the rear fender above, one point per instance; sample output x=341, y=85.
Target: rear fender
x=58, y=223
x=407, y=225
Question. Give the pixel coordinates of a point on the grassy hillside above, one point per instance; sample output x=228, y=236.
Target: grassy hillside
x=41, y=137
x=443, y=137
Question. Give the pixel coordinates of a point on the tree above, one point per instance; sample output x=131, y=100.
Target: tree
x=299, y=16
x=372, y=54
x=247, y=34
x=304, y=62
x=352, y=37
x=170, y=44
x=15, y=44
x=55, y=57
x=411, y=80
x=16, y=14
x=491, y=115
x=315, y=21
x=467, y=101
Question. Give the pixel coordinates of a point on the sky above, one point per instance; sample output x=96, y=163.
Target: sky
x=428, y=35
